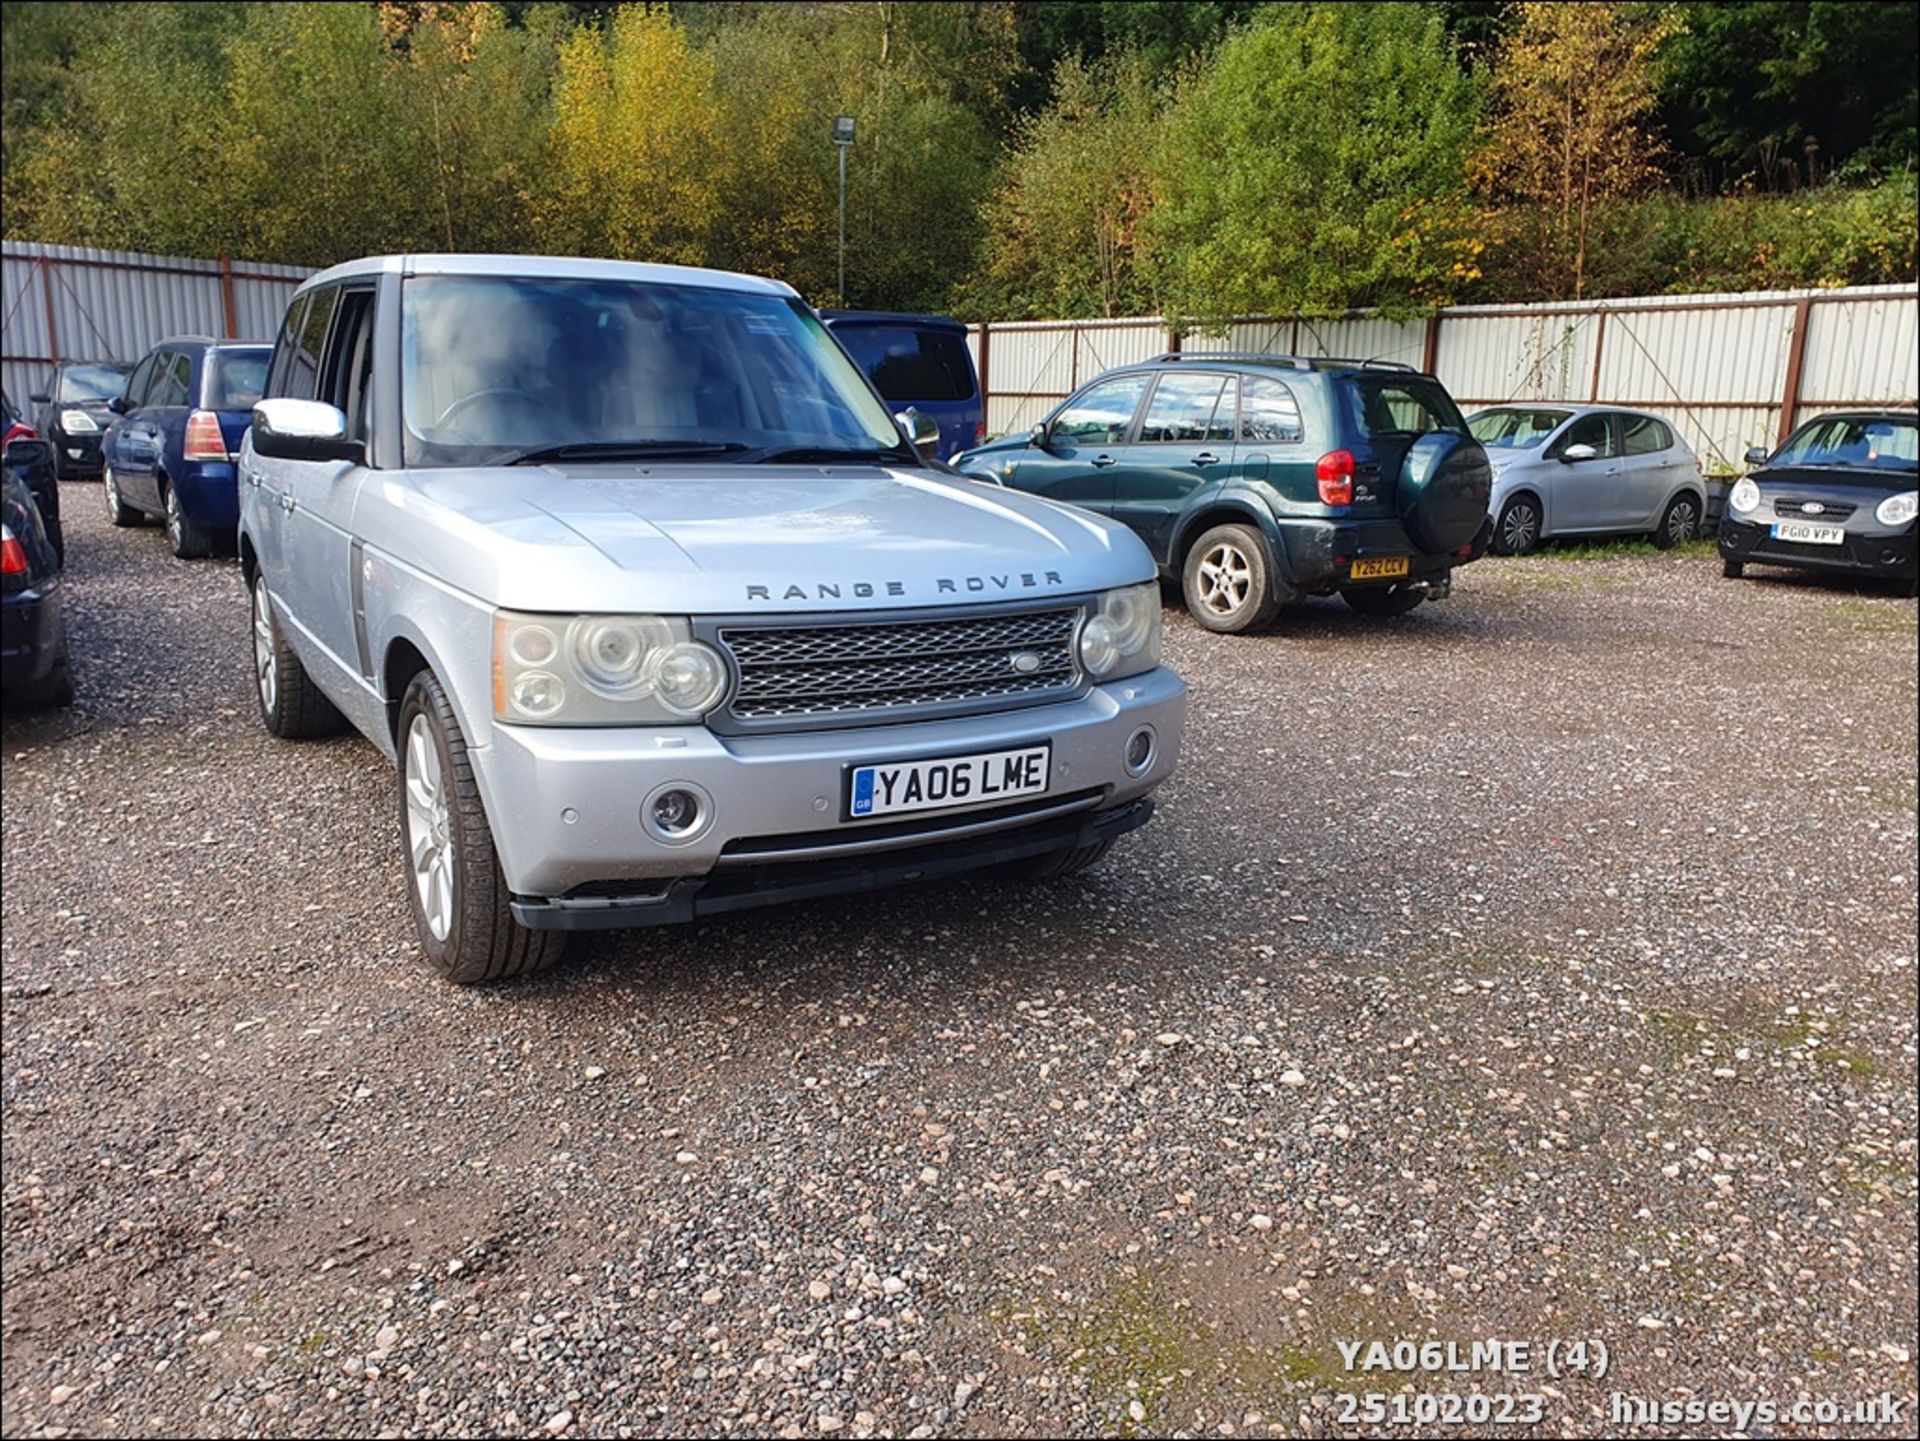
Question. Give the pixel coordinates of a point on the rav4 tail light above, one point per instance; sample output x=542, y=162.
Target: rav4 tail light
x=1334, y=475
x=204, y=440
x=13, y=555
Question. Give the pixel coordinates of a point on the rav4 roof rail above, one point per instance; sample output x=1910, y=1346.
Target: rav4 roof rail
x=1376, y=363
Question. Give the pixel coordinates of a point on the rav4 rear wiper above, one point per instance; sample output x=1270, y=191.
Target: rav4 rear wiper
x=627, y=450
x=827, y=454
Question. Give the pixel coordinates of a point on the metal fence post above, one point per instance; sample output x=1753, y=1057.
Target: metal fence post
x=53, y=330
x=1796, y=358
x=1599, y=339
x=986, y=367
x=226, y=295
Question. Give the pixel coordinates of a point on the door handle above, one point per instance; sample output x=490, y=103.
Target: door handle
x=1206, y=457
x=287, y=503
x=1103, y=460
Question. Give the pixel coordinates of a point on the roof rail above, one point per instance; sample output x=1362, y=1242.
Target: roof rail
x=1376, y=363
x=189, y=340
x=1244, y=356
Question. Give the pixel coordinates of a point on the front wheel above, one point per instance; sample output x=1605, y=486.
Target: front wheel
x=1390, y=600
x=118, y=511
x=455, y=890
x=1518, y=529
x=291, y=705
x=1228, y=581
x=1680, y=524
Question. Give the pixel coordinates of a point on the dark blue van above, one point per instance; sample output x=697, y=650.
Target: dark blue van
x=170, y=449
x=920, y=361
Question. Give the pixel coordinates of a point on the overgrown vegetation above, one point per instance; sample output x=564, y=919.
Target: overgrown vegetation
x=1013, y=159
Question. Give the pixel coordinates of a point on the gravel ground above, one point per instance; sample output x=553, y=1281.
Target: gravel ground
x=1539, y=966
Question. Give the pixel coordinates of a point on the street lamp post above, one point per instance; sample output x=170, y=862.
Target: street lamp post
x=843, y=142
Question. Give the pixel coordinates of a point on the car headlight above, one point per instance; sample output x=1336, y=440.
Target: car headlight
x=1122, y=636
x=1898, y=509
x=1745, y=495
x=602, y=670
x=78, y=422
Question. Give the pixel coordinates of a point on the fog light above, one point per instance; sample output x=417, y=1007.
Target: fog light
x=677, y=813
x=1140, y=751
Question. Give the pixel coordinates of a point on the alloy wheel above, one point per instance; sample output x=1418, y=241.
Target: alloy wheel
x=1226, y=578
x=111, y=489
x=1683, y=523
x=429, y=828
x=1520, y=528
x=266, y=674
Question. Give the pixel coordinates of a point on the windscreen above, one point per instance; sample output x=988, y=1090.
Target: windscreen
x=236, y=378
x=1515, y=429
x=1872, y=442
x=493, y=367
x=82, y=383
x=908, y=363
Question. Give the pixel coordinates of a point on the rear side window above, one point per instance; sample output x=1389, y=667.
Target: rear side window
x=1183, y=408
x=1101, y=413
x=235, y=379
x=906, y=363
x=1643, y=435
x=1269, y=414
x=171, y=379
x=1414, y=406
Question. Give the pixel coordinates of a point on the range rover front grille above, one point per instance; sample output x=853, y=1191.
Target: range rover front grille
x=812, y=672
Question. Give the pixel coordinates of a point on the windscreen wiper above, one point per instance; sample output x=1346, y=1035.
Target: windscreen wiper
x=827, y=454
x=627, y=450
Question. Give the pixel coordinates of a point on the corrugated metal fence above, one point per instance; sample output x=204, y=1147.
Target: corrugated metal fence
x=65, y=302
x=1729, y=370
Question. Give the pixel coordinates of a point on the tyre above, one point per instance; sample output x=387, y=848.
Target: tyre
x=1387, y=600
x=118, y=511
x=1228, y=581
x=189, y=541
x=1518, y=529
x=1057, y=864
x=1733, y=569
x=1680, y=524
x=291, y=705
x=455, y=890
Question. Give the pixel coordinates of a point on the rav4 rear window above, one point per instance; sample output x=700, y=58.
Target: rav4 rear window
x=907, y=363
x=495, y=366
x=1381, y=405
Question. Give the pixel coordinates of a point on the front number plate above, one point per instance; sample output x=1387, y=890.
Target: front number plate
x=1805, y=533
x=882, y=790
x=1379, y=567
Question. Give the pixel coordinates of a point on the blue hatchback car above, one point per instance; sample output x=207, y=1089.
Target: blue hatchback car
x=921, y=361
x=169, y=451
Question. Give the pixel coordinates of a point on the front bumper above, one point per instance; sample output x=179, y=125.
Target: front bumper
x=1888, y=554
x=1320, y=553
x=32, y=636
x=76, y=456
x=565, y=804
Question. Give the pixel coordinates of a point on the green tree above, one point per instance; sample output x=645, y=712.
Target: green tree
x=1574, y=91
x=1318, y=163
x=1063, y=227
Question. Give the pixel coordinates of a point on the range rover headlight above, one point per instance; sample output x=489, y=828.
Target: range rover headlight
x=1122, y=636
x=1897, y=510
x=1745, y=495
x=602, y=670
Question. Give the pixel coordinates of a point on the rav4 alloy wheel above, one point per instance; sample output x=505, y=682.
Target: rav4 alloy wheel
x=1228, y=582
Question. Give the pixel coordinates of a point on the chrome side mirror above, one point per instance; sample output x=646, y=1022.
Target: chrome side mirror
x=920, y=428
x=1577, y=452
x=303, y=430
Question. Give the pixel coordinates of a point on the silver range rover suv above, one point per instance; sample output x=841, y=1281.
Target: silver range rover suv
x=660, y=613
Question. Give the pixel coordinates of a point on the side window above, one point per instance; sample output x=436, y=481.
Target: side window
x=1100, y=414
x=1182, y=407
x=1593, y=430
x=1270, y=414
x=142, y=380
x=303, y=378
x=1220, y=428
x=349, y=359
x=283, y=347
x=169, y=384
x=1643, y=435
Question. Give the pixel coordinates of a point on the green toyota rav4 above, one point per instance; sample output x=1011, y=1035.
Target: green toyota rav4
x=1259, y=479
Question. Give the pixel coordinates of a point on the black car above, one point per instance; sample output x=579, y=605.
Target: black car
x=73, y=413
x=33, y=632
x=1840, y=497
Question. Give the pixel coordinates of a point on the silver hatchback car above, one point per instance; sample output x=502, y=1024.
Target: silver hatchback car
x=1587, y=470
